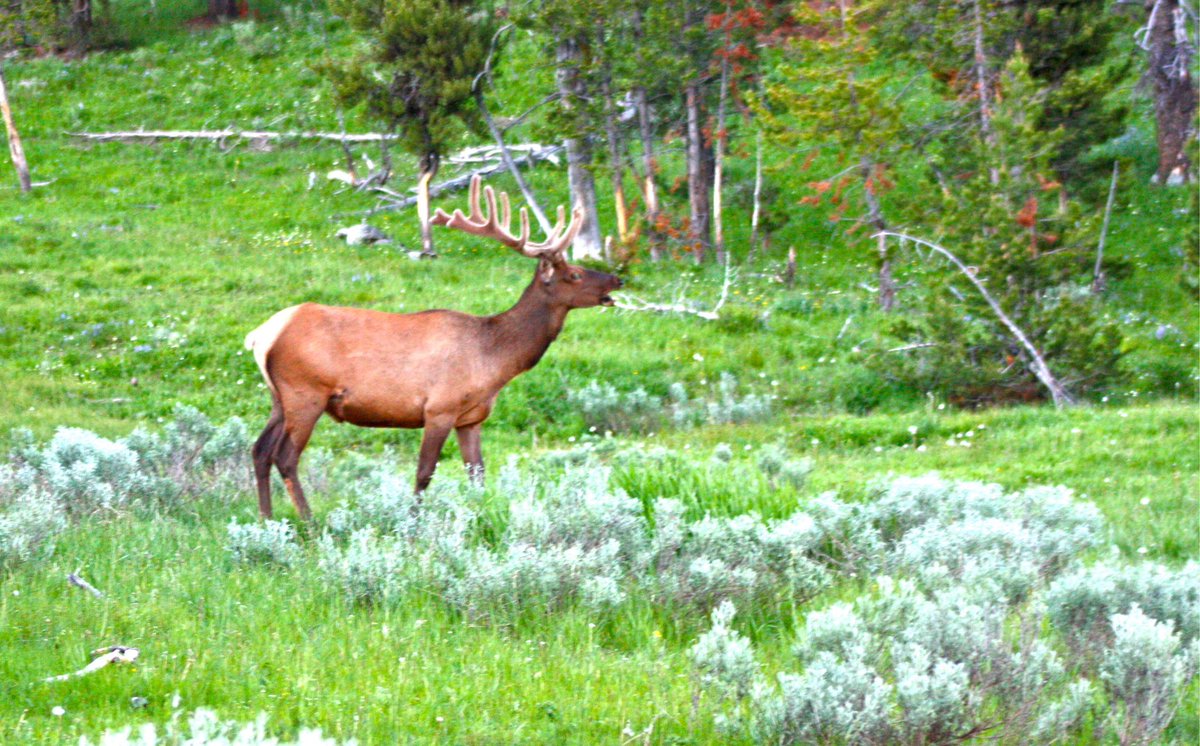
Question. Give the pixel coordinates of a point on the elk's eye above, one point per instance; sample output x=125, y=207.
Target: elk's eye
x=576, y=276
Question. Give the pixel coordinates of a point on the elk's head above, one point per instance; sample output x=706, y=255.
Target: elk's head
x=574, y=286
x=564, y=284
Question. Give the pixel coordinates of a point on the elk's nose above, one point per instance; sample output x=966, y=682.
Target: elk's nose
x=618, y=282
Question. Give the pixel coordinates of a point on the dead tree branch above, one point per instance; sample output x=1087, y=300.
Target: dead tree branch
x=78, y=582
x=104, y=657
x=681, y=304
x=1098, y=278
x=14, y=139
x=393, y=201
x=228, y=134
x=1037, y=362
x=498, y=135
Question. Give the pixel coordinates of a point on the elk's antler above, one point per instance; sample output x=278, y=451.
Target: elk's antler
x=492, y=224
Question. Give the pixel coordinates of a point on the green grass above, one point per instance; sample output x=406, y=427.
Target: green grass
x=185, y=247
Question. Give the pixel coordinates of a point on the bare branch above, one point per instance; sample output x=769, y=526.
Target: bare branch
x=1038, y=364
x=78, y=582
x=681, y=305
x=106, y=656
x=1098, y=274
x=228, y=134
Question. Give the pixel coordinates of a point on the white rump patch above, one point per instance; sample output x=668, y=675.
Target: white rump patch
x=261, y=340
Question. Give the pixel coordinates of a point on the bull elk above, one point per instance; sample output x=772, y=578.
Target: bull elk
x=438, y=370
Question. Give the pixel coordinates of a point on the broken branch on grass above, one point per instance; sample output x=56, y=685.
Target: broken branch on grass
x=681, y=305
x=1037, y=363
x=228, y=134
x=103, y=658
x=917, y=346
x=74, y=579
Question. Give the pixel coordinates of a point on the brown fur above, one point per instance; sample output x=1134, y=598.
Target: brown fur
x=437, y=370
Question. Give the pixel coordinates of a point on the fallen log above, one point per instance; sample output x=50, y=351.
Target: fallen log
x=75, y=580
x=228, y=134
x=103, y=657
x=393, y=201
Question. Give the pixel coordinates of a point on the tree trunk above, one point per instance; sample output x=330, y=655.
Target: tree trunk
x=1098, y=278
x=79, y=23
x=756, y=209
x=218, y=9
x=718, y=164
x=616, y=161
x=14, y=139
x=887, y=284
x=579, y=154
x=1170, y=60
x=984, y=86
x=650, y=167
x=646, y=130
x=866, y=169
x=429, y=169
x=697, y=172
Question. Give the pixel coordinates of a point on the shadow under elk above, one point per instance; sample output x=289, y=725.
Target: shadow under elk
x=438, y=370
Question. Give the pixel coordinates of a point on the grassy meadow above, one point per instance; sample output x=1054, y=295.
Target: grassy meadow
x=129, y=280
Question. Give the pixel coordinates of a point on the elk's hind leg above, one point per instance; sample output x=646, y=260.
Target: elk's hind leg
x=300, y=417
x=263, y=455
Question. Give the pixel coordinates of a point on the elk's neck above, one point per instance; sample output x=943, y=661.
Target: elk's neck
x=522, y=334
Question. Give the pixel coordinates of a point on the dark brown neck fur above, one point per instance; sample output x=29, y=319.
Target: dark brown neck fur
x=521, y=335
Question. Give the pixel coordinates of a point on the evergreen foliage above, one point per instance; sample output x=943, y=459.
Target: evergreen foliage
x=1031, y=246
x=49, y=24
x=416, y=66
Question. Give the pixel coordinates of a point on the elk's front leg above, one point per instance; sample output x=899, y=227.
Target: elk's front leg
x=436, y=431
x=472, y=451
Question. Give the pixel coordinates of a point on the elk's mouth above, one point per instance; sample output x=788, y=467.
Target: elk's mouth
x=607, y=300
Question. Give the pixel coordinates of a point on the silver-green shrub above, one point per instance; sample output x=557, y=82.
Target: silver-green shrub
x=723, y=657
x=205, y=728
x=911, y=666
x=85, y=473
x=524, y=576
x=1081, y=604
x=29, y=520
x=1145, y=673
x=728, y=408
x=368, y=567
x=192, y=456
x=604, y=407
x=781, y=469
x=581, y=508
x=960, y=532
x=737, y=558
x=265, y=542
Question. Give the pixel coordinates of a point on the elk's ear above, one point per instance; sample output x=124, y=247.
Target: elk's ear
x=545, y=270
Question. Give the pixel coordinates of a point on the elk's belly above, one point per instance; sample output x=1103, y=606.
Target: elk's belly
x=347, y=406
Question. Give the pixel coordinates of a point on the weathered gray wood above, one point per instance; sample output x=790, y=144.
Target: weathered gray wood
x=78, y=582
x=228, y=134
x=14, y=139
x=1037, y=363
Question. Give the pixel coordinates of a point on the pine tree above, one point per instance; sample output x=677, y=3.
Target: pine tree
x=1068, y=45
x=415, y=75
x=835, y=98
x=1030, y=248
